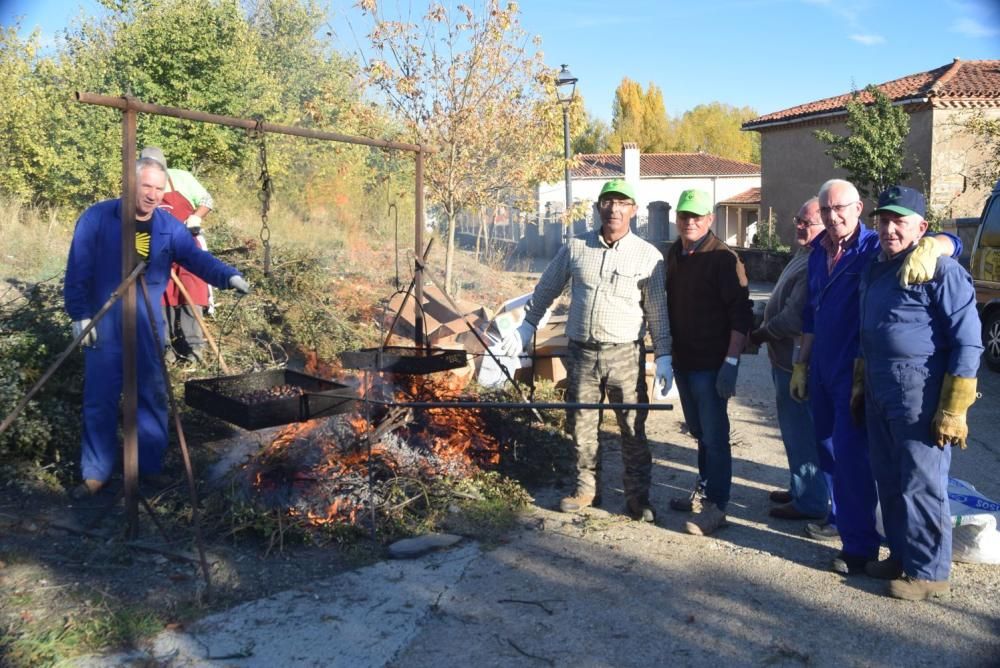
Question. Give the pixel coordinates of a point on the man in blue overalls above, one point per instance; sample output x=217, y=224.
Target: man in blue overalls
x=830, y=337
x=914, y=381
x=93, y=271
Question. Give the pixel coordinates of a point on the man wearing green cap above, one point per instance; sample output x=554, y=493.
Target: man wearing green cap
x=710, y=316
x=616, y=285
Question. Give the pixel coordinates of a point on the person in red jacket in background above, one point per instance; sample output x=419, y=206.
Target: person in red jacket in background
x=188, y=201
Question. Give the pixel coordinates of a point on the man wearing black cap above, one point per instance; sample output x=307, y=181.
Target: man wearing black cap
x=914, y=382
x=616, y=285
x=823, y=371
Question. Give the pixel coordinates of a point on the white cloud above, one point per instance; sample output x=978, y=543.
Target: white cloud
x=973, y=28
x=868, y=40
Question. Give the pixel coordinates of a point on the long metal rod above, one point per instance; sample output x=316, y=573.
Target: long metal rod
x=181, y=440
x=247, y=124
x=130, y=399
x=115, y=296
x=196, y=312
x=418, y=245
x=542, y=405
x=406, y=298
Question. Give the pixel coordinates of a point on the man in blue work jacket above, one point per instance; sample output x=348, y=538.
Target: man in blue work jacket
x=914, y=382
x=93, y=271
x=830, y=337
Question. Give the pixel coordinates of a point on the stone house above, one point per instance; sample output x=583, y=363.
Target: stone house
x=659, y=179
x=941, y=154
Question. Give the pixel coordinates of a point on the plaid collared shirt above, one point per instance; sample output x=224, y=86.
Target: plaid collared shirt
x=614, y=289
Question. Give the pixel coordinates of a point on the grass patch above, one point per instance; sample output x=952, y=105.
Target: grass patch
x=57, y=642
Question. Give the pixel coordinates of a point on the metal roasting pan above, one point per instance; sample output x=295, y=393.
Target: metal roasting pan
x=221, y=397
x=403, y=360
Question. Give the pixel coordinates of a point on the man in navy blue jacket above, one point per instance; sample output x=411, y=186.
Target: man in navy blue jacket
x=93, y=271
x=830, y=325
x=915, y=380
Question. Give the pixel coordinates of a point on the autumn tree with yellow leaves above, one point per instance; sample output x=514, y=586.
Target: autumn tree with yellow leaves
x=471, y=84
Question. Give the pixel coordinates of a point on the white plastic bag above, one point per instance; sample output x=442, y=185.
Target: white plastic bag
x=974, y=537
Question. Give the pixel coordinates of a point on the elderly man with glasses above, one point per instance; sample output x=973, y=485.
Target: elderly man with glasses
x=616, y=285
x=807, y=495
x=823, y=372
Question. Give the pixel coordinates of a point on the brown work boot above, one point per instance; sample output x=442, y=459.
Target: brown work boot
x=887, y=569
x=576, y=503
x=640, y=509
x=86, y=489
x=912, y=589
x=706, y=520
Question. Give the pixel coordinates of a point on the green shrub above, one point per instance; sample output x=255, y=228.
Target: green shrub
x=33, y=331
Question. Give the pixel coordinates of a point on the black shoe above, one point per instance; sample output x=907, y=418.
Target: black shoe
x=848, y=564
x=780, y=496
x=86, y=489
x=156, y=482
x=822, y=531
x=639, y=509
x=788, y=511
x=887, y=569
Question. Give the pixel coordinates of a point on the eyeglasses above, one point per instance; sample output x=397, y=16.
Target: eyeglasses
x=620, y=204
x=804, y=222
x=837, y=208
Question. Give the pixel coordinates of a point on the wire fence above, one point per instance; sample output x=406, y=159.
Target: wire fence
x=541, y=235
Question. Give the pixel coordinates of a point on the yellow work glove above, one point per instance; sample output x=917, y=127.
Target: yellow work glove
x=919, y=266
x=858, y=393
x=798, y=387
x=949, y=425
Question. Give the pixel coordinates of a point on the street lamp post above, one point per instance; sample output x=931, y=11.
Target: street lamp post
x=565, y=91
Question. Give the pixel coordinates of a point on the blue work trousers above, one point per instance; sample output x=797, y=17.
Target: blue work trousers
x=706, y=417
x=102, y=388
x=843, y=454
x=912, y=477
x=807, y=483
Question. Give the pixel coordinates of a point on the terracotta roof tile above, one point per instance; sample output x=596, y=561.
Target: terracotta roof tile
x=750, y=196
x=956, y=84
x=609, y=165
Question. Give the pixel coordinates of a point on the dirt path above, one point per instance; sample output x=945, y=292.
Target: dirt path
x=600, y=590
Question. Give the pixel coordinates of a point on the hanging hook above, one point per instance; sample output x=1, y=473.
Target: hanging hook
x=393, y=209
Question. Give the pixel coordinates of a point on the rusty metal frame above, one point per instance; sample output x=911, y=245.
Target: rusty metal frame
x=130, y=107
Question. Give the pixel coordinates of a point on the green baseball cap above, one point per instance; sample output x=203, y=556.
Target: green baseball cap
x=695, y=201
x=620, y=186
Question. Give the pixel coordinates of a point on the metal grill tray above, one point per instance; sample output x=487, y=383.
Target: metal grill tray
x=219, y=397
x=402, y=360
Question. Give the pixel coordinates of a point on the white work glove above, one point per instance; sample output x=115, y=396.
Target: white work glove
x=239, y=284
x=193, y=223
x=513, y=344
x=79, y=326
x=664, y=379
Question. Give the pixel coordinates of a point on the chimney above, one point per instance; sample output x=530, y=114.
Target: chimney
x=630, y=162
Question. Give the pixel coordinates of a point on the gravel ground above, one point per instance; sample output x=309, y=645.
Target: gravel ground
x=600, y=590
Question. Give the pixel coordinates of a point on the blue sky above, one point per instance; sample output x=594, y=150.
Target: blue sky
x=766, y=54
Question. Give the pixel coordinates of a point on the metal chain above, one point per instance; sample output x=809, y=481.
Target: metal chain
x=265, y=192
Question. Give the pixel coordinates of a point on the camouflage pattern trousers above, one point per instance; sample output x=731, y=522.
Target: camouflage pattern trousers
x=611, y=370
